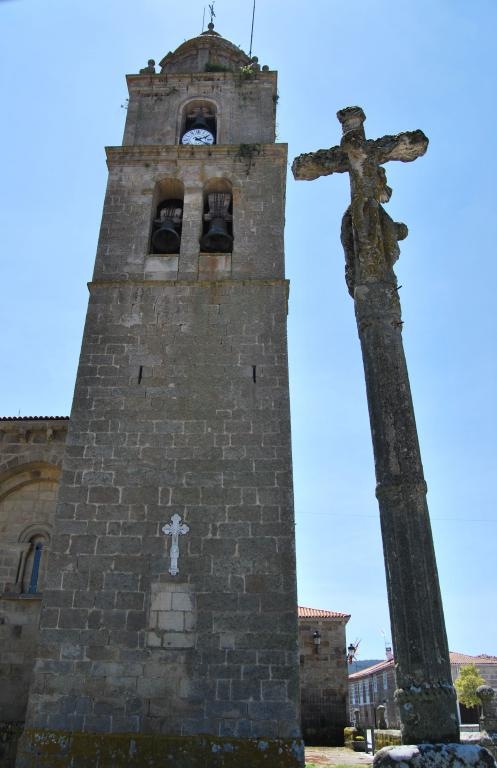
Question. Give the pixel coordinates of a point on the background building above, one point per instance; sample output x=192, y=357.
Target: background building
x=376, y=685
x=323, y=675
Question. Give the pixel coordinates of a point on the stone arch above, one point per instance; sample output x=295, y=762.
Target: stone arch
x=167, y=210
x=218, y=184
x=28, y=495
x=15, y=477
x=194, y=105
x=32, y=454
x=217, y=227
x=34, y=530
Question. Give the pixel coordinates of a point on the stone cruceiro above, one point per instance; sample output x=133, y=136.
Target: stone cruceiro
x=425, y=693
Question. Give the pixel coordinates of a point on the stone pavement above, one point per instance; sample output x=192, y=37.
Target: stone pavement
x=336, y=756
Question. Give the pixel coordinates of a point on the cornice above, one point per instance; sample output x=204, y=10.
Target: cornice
x=158, y=82
x=30, y=419
x=28, y=426
x=132, y=155
x=190, y=283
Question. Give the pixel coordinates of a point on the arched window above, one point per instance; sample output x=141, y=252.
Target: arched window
x=217, y=230
x=33, y=563
x=199, y=123
x=168, y=217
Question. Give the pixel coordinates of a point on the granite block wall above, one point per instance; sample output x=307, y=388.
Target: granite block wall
x=202, y=433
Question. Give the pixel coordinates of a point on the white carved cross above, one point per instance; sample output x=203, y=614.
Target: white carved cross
x=173, y=529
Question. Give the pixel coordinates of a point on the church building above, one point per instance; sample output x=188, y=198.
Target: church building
x=168, y=625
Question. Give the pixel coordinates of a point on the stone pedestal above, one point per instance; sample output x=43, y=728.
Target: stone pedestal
x=434, y=756
x=488, y=719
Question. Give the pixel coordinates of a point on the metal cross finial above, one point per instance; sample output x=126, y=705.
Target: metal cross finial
x=211, y=11
x=174, y=529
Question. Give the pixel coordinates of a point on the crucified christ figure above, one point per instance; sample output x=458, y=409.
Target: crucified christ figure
x=425, y=694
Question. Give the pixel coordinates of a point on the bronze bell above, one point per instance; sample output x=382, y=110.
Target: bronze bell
x=217, y=237
x=166, y=238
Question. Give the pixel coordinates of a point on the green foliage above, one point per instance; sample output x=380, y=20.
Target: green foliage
x=248, y=150
x=247, y=72
x=247, y=153
x=466, y=684
x=386, y=739
x=49, y=748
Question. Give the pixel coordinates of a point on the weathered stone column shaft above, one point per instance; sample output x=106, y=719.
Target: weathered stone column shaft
x=416, y=613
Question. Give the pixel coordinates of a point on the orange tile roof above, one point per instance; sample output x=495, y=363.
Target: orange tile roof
x=34, y=418
x=463, y=658
x=380, y=666
x=318, y=613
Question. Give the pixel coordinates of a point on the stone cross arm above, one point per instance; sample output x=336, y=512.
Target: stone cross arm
x=406, y=146
x=355, y=149
x=321, y=163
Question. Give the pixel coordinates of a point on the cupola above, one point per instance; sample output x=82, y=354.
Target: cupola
x=208, y=52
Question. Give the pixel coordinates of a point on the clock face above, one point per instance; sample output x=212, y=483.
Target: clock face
x=197, y=136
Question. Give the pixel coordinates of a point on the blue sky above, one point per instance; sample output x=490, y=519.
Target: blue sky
x=423, y=64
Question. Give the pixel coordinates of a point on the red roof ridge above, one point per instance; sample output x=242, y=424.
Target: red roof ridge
x=320, y=613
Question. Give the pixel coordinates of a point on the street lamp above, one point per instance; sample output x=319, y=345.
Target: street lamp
x=316, y=639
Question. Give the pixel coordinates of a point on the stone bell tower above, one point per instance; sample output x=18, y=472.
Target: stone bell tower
x=169, y=627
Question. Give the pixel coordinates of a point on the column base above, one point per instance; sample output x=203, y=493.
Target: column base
x=434, y=756
x=45, y=748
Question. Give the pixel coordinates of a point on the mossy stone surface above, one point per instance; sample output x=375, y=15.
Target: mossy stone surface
x=59, y=749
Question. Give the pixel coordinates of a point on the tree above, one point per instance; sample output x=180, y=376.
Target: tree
x=466, y=684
